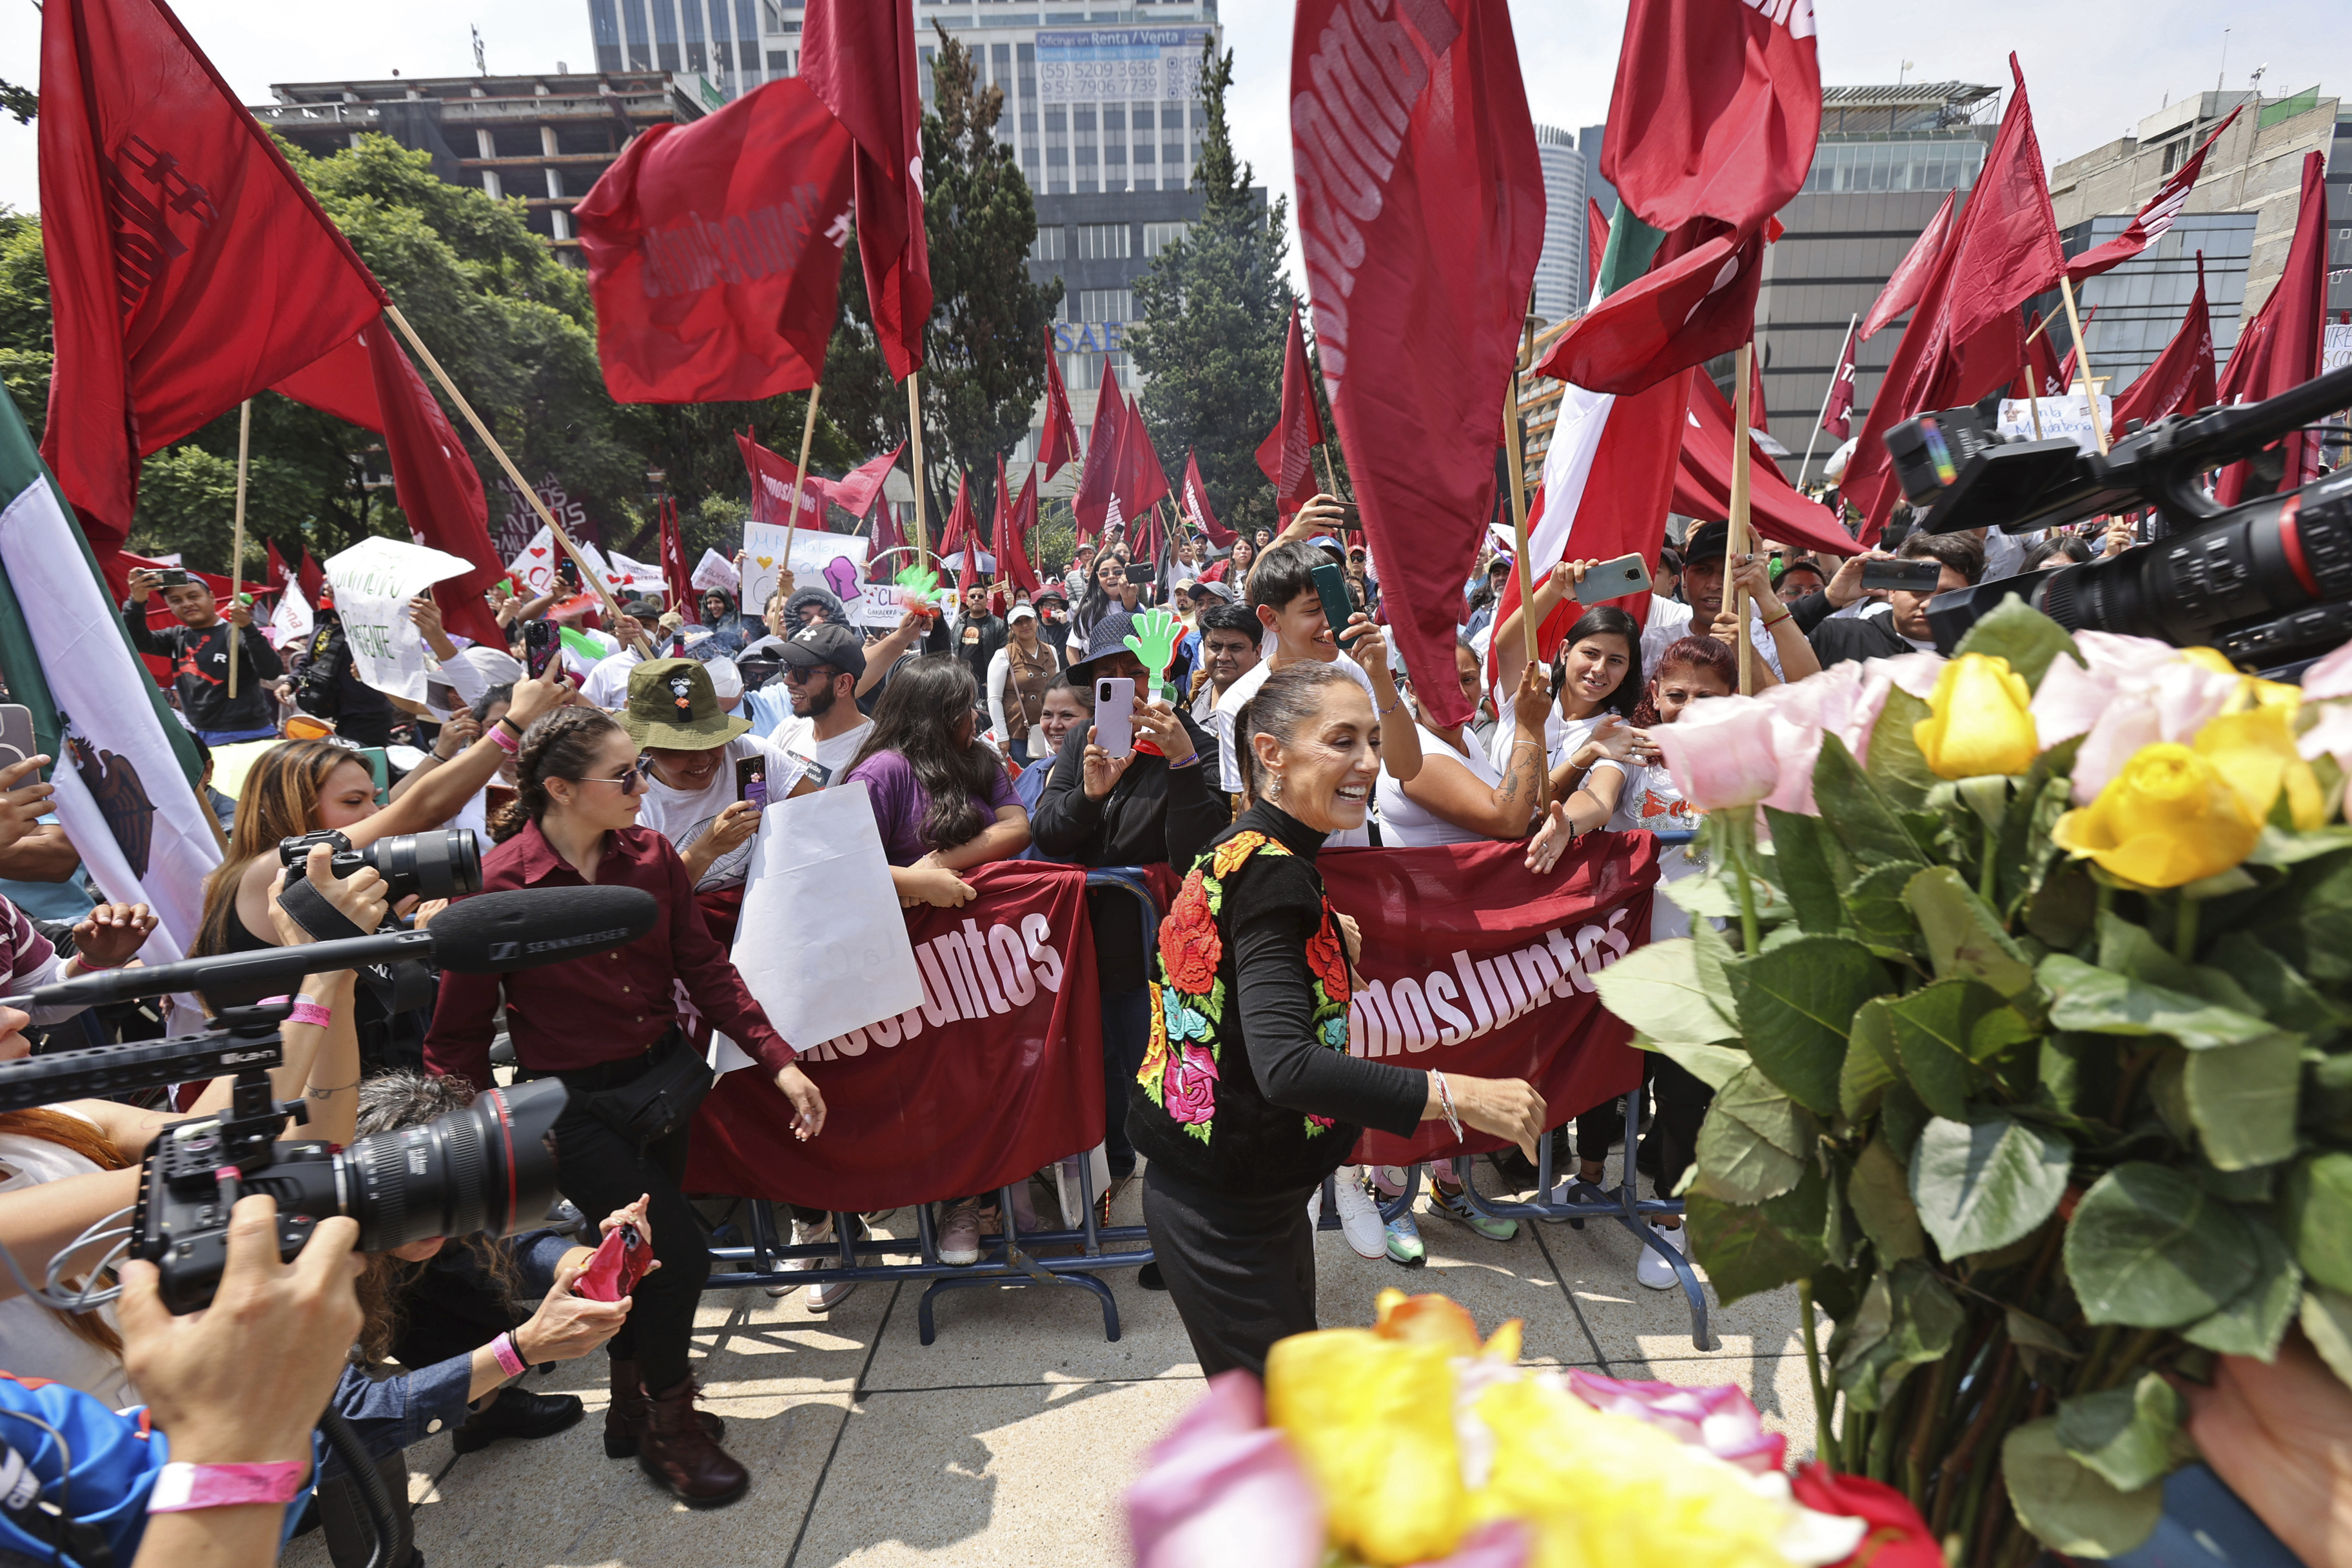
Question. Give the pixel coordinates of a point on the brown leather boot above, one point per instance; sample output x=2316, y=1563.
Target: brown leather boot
x=678, y=1451
x=624, y=1417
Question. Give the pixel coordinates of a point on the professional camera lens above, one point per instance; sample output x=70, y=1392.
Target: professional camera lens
x=490, y=1166
x=444, y=865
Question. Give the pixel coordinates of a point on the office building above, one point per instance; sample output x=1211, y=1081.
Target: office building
x=1596, y=188
x=1560, y=270
x=544, y=139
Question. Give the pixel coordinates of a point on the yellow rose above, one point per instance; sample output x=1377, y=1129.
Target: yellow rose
x=1981, y=721
x=1372, y=1421
x=2254, y=753
x=2169, y=817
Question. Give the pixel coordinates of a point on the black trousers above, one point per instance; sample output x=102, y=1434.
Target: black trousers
x=1669, y=1130
x=1240, y=1270
x=600, y=1171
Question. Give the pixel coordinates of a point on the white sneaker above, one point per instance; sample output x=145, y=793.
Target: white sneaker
x=1359, y=1217
x=806, y=1235
x=1655, y=1272
x=1315, y=1209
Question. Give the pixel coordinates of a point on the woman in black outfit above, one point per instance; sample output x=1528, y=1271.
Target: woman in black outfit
x=1248, y=1098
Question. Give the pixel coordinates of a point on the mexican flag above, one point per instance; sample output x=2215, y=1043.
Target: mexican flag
x=125, y=772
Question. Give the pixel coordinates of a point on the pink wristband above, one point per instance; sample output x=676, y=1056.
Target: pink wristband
x=305, y=1011
x=511, y=1360
x=506, y=740
x=183, y=1488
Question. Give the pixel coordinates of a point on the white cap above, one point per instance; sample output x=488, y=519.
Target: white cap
x=726, y=681
x=1021, y=612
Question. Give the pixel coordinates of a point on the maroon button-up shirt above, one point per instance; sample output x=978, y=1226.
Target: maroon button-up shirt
x=610, y=1005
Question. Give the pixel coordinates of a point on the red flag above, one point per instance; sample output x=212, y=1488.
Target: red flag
x=1835, y=411
x=1698, y=300
x=714, y=251
x=1142, y=483
x=1059, y=443
x=772, y=487
x=2181, y=380
x=1703, y=480
x=2047, y=376
x=856, y=492
x=1759, y=416
x=888, y=534
x=1902, y=290
x=677, y=577
x=1196, y=505
x=963, y=533
x=277, y=567
x=1716, y=112
x=1596, y=246
x=1284, y=456
x=370, y=382
x=2149, y=224
x=1011, y=516
x=859, y=59
x=2279, y=347
x=1424, y=225
x=1098, y=478
x=188, y=268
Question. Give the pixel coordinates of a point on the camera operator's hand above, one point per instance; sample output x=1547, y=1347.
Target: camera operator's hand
x=24, y=799
x=145, y=584
x=243, y=1381
x=1846, y=586
x=806, y=1101
x=2121, y=536
x=110, y=935
x=359, y=898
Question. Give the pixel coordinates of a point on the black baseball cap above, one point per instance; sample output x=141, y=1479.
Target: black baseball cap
x=825, y=643
x=1706, y=544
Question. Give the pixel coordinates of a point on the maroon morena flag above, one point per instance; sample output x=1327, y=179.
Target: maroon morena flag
x=856, y=492
x=1902, y=290
x=2045, y=377
x=1715, y=112
x=678, y=575
x=1196, y=505
x=1014, y=519
x=859, y=57
x=1142, y=483
x=772, y=487
x=1098, y=478
x=189, y=267
x=2279, y=347
x=1286, y=457
x=1837, y=412
x=1698, y=300
x=1421, y=215
x=1058, y=445
x=714, y=251
x=963, y=532
x=2181, y=380
x=2152, y=222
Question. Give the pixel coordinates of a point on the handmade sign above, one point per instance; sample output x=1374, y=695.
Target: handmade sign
x=373, y=582
x=811, y=551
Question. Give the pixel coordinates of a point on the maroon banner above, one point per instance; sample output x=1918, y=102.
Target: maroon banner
x=1475, y=965
x=1059, y=443
x=998, y=1073
x=859, y=59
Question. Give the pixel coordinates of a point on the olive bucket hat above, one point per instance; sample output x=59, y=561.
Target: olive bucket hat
x=673, y=707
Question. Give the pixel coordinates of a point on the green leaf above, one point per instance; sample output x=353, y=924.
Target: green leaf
x=1980, y=1185
x=1806, y=874
x=2131, y=1437
x=2243, y=1100
x=2148, y=1247
x=1658, y=990
x=2128, y=949
x=1964, y=936
x=1895, y=765
x=1855, y=812
x=2319, y=1218
x=2307, y=921
x=1907, y=1319
x=2102, y=1002
x=2063, y=1067
x=1716, y=961
x=1934, y=1027
x=2069, y=1506
x=2044, y=1350
x=1875, y=907
x=1711, y=1065
x=2025, y=853
x=2061, y=907
x=2252, y=1322
x=2327, y=1320
x=1880, y=1196
x=2284, y=997
x=1796, y=1003
x=2275, y=847
x=1754, y=1143
x=1871, y=1065
x=1747, y=1249
x=2021, y=635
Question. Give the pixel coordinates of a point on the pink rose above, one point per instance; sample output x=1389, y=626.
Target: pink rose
x=2130, y=692
x=1844, y=700
x=2331, y=677
x=1720, y=753
x=1190, y=1088
x=1720, y=1418
x=1224, y=1487
x=2332, y=735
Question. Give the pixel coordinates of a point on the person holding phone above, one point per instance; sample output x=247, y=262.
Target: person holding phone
x=1959, y=560
x=198, y=649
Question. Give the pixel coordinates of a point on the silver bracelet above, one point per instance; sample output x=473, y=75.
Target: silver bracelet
x=1445, y=1103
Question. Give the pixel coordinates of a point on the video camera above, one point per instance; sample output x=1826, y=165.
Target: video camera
x=488, y=1167
x=443, y=865
x=2268, y=582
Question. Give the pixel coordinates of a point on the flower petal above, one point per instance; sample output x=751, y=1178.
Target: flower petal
x=1222, y=1488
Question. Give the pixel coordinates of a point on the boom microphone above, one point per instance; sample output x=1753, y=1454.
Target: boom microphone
x=489, y=933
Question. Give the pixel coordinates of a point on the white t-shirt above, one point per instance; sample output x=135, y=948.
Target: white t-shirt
x=682, y=818
x=823, y=761
x=1405, y=823
x=1649, y=803
x=1229, y=708
x=33, y=1339
x=1670, y=622
x=607, y=686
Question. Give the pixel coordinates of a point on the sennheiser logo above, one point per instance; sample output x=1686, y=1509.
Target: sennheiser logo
x=585, y=939
x=503, y=951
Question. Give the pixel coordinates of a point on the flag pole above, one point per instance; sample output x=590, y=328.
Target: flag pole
x=2025, y=374
x=1516, y=460
x=555, y=528
x=237, y=546
x=1736, y=544
x=1330, y=485
x=1827, y=393
x=915, y=430
x=792, y=515
x=2083, y=361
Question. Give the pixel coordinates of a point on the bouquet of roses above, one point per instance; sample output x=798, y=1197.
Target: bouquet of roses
x=2028, y=1032
x=1413, y=1442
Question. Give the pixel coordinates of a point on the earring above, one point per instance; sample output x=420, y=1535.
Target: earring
x=1274, y=790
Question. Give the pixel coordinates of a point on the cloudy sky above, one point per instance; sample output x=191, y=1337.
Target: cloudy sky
x=2095, y=70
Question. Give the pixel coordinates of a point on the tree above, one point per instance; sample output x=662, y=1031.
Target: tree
x=984, y=361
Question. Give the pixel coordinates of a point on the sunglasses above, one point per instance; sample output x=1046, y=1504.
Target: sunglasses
x=638, y=777
x=818, y=674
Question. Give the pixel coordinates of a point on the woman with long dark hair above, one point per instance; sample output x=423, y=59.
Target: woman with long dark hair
x=609, y=1027
x=1107, y=589
x=1599, y=678
x=1247, y=1098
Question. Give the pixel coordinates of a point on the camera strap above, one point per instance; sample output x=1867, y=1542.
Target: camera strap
x=315, y=912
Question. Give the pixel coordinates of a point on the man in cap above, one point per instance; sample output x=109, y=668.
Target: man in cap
x=1017, y=679
x=810, y=710
x=607, y=686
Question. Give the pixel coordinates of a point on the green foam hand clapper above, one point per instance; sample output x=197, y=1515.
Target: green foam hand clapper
x=920, y=583
x=1154, y=641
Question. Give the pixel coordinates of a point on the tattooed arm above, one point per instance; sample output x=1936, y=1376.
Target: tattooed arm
x=1446, y=789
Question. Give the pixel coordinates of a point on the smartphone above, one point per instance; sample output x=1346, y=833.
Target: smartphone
x=1339, y=604
x=1615, y=580
x=1115, y=715
x=1914, y=576
x=1139, y=572
x=622, y=1259
x=16, y=742
x=751, y=784
x=174, y=577
x=540, y=644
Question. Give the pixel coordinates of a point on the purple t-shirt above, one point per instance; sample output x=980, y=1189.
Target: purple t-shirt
x=899, y=801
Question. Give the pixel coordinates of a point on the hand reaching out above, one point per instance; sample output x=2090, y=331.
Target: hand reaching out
x=110, y=934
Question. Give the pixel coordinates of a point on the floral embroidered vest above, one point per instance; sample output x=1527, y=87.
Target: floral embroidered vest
x=1196, y=1105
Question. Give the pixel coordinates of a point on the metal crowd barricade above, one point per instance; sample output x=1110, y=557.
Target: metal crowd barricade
x=1010, y=1258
